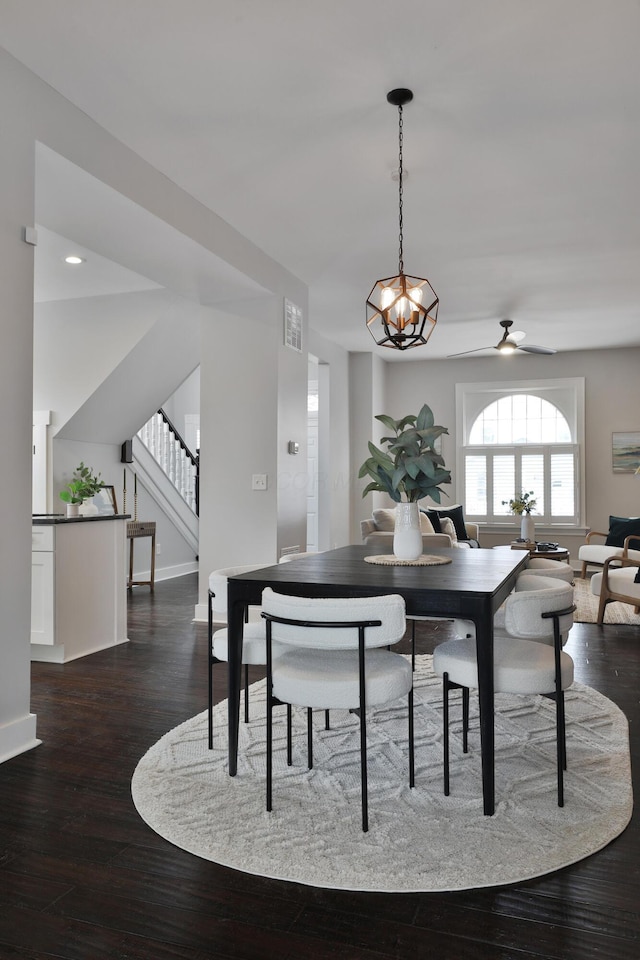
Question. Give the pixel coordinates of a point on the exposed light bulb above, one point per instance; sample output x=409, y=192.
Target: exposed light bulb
x=387, y=296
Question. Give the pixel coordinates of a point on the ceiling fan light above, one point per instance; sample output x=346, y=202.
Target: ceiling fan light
x=507, y=347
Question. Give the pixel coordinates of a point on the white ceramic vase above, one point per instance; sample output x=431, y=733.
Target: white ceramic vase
x=407, y=536
x=528, y=528
x=88, y=509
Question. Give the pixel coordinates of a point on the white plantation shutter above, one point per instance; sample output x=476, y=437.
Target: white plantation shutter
x=503, y=482
x=563, y=486
x=476, y=485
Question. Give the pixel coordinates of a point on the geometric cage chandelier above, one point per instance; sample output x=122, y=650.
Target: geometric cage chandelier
x=402, y=311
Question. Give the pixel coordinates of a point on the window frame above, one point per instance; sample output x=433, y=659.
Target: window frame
x=567, y=394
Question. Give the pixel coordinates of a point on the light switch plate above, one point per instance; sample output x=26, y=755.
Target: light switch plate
x=259, y=481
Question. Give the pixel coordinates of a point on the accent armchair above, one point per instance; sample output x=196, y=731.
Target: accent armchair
x=623, y=532
x=619, y=580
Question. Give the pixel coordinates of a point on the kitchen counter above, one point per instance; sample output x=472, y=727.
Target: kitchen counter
x=78, y=585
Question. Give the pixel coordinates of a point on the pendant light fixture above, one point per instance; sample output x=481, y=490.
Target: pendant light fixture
x=401, y=311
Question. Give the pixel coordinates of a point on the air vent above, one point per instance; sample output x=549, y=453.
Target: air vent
x=292, y=326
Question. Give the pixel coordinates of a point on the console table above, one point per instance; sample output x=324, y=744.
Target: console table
x=135, y=530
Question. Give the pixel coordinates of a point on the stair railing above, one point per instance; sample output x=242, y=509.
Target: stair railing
x=182, y=467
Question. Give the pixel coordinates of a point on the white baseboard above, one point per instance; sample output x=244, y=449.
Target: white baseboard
x=168, y=573
x=18, y=737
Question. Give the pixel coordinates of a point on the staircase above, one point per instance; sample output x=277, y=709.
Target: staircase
x=169, y=471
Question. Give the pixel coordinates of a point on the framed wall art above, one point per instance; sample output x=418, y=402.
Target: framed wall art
x=625, y=450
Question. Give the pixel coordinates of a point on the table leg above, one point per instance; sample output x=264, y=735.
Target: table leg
x=152, y=573
x=235, y=621
x=484, y=653
x=129, y=585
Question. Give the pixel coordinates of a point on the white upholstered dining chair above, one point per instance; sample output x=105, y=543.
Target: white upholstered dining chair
x=254, y=650
x=332, y=658
x=528, y=659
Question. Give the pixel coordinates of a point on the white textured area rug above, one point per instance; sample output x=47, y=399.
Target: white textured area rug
x=418, y=839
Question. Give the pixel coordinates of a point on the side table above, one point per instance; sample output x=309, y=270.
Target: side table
x=136, y=529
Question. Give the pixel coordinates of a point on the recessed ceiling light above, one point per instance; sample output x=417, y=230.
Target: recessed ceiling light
x=74, y=260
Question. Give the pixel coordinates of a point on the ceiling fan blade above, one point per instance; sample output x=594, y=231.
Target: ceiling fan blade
x=464, y=353
x=517, y=335
x=531, y=348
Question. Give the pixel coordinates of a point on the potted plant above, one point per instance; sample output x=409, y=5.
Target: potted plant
x=521, y=506
x=83, y=486
x=408, y=470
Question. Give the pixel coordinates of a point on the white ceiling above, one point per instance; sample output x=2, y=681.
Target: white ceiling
x=522, y=144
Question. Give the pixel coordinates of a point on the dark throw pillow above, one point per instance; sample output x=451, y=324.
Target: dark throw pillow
x=456, y=514
x=620, y=528
x=636, y=579
x=435, y=520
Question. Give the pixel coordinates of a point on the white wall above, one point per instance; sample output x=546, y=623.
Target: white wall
x=33, y=112
x=184, y=402
x=17, y=725
x=367, y=399
x=238, y=438
x=335, y=478
x=77, y=343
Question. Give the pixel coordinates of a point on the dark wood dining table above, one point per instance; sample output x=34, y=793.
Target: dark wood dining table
x=471, y=586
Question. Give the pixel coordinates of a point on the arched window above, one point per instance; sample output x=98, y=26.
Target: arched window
x=523, y=439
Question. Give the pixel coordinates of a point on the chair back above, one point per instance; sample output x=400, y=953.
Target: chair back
x=218, y=585
x=533, y=596
x=389, y=610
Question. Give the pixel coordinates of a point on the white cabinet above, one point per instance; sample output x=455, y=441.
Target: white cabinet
x=78, y=592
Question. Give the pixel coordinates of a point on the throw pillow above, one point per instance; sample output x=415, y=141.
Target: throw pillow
x=385, y=520
x=456, y=514
x=636, y=579
x=425, y=523
x=434, y=519
x=620, y=528
x=447, y=526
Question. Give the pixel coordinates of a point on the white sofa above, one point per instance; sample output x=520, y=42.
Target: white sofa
x=379, y=529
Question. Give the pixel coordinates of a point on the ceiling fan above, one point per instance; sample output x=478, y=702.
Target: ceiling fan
x=509, y=343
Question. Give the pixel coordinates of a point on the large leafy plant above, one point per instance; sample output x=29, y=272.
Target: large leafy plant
x=409, y=468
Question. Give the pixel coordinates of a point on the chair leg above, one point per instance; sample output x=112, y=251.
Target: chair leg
x=309, y=738
x=363, y=772
x=413, y=645
x=412, y=766
x=561, y=746
x=584, y=569
x=465, y=719
x=445, y=730
x=210, y=662
x=269, y=745
x=326, y=720
x=246, y=693
x=604, y=599
x=289, y=737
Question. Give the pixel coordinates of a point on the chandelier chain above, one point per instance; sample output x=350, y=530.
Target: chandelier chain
x=400, y=219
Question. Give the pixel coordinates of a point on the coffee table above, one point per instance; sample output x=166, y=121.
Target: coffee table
x=472, y=586
x=560, y=554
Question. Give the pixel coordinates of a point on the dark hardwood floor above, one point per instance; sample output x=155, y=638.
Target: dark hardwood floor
x=83, y=878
